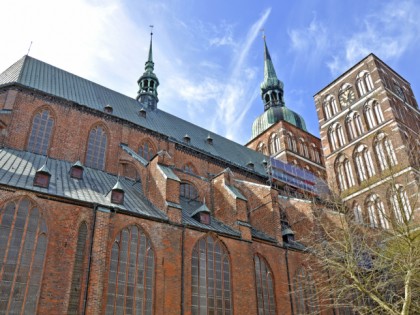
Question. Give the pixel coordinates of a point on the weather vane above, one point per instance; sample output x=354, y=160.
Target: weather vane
x=263, y=32
x=151, y=29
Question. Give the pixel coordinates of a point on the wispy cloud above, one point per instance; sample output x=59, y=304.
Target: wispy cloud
x=309, y=44
x=388, y=33
x=239, y=95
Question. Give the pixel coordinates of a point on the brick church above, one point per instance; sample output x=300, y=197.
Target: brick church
x=109, y=205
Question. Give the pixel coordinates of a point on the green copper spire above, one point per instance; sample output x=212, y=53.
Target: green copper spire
x=150, y=65
x=275, y=109
x=148, y=82
x=271, y=87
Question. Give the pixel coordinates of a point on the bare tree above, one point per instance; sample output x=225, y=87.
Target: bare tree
x=370, y=266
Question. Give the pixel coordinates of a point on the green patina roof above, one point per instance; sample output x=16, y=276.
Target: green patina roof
x=274, y=115
x=275, y=110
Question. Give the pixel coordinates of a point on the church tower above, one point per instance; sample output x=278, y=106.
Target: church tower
x=148, y=83
x=279, y=131
x=370, y=129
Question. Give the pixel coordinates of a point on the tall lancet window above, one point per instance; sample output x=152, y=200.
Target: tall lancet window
x=96, y=148
x=41, y=131
x=274, y=144
x=23, y=245
x=344, y=173
x=131, y=274
x=376, y=211
x=401, y=204
x=265, y=287
x=364, y=164
x=210, y=278
x=304, y=293
x=384, y=151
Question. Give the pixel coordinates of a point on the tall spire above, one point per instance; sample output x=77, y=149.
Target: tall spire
x=271, y=87
x=148, y=82
x=150, y=65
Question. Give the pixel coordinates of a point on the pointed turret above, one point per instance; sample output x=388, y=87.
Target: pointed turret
x=271, y=87
x=274, y=106
x=148, y=83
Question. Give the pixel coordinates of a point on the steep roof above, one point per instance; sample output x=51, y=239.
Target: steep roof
x=35, y=74
x=18, y=168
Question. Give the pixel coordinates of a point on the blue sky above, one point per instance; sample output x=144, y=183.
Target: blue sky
x=209, y=54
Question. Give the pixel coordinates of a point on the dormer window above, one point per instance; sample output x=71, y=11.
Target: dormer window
x=202, y=214
x=187, y=138
x=288, y=235
x=117, y=194
x=205, y=218
x=76, y=170
x=108, y=109
x=142, y=113
x=250, y=165
x=42, y=177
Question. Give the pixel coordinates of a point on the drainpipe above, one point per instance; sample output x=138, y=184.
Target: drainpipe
x=288, y=280
x=95, y=207
x=182, y=268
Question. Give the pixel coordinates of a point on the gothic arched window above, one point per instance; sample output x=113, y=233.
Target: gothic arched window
x=131, y=274
x=373, y=114
x=330, y=107
x=357, y=213
x=189, y=168
x=41, y=131
x=294, y=146
x=146, y=151
x=96, y=148
x=354, y=125
x=364, y=83
x=304, y=293
x=188, y=191
x=23, y=244
x=376, y=212
x=344, y=173
x=336, y=136
x=210, y=278
x=274, y=144
x=400, y=204
x=384, y=151
x=363, y=162
x=265, y=287
x=77, y=277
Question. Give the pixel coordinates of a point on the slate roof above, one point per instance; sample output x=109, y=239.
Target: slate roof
x=35, y=74
x=18, y=168
x=189, y=207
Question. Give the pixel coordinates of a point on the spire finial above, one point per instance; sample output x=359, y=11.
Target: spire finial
x=151, y=30
x=263, y=33
x=271, y=87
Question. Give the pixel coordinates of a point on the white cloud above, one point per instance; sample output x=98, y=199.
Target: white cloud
x=388, y=33
x=309, y=44
x=104, y=42
x=239, y=94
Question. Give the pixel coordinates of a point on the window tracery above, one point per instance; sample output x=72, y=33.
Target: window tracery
x=376, y=212
x=265, y=287
x=96, y=148
x=146, y=151
x=210, y=281
x=131, y=274
x=22, y=258
x=41, y=132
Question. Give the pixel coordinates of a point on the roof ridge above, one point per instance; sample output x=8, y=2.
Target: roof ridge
x=25, y=58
